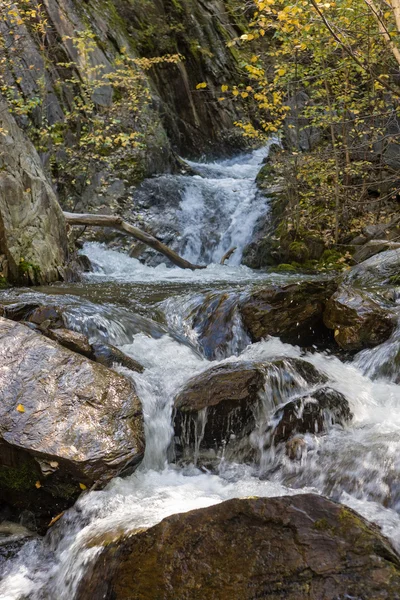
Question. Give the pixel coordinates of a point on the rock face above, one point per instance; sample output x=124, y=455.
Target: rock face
x=301, y=547
x=238, y=408
x=178, y=114
x=65, y=421
x=358, y=319
x=294, y=312
x=33, y=235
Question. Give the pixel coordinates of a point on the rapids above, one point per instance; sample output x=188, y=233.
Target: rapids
x=146, y=312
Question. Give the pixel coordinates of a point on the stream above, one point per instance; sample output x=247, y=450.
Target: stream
x=145, y=311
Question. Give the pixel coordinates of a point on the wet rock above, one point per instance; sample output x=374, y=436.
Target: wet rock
x=12, y=537
x=291, y=548
x=74, y=341
x=19, y=311
x=109, y=356
x=218, y=405
x=47, y=317
x=220, y=408
x=66, y=423
x=294, y=313
x=313, y=413
x=359, y=319
x=295, y=448
x=84, y=263
x=376, y=270
x=217, y=324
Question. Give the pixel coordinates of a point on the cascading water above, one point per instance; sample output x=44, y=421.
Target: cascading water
x=205, y=215
x=357, y=464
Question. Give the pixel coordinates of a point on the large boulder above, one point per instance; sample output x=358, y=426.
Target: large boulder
x=294, y=312
x=287, y=548
x=66, y=422
x=358, y=318
x=33, y=236
x=218, y=410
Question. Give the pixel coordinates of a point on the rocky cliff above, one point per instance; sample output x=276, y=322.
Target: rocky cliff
x=33, y=239
x=54, y=54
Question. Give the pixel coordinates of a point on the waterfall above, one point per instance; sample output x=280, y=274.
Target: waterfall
x=204, y=215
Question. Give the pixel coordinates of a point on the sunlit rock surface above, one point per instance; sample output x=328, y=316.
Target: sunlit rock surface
x=66, y=422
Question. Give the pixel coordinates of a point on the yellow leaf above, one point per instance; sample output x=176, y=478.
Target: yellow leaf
x=82, y=486
x=224, y=88
x=55, y=519
x=201, y=86
x=235, y=92
x=20, y=408
x=38, y=484
x=244, y=94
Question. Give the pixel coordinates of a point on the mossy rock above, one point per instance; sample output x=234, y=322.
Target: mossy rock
x=299, y=252
x=285, y=268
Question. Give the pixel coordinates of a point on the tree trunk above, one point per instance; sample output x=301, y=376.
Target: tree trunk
x=118, y=223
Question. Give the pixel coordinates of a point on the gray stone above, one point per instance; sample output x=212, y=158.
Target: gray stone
x=32, y=228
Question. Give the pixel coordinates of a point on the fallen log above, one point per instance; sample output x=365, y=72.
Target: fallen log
x=227, y=255
x=118, y=223
x=389, y=244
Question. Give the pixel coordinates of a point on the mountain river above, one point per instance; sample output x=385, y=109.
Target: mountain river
x=145, y=311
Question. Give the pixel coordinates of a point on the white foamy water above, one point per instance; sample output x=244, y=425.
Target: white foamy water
x=225, y=204
x=361, y=452
x=115, y=266
x=358, y=465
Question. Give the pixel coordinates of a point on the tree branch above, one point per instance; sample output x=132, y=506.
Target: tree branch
x=350, y=53
x=118, y=223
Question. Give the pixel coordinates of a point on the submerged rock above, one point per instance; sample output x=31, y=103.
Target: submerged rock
x=294, y=312
x=12, y=537
x=358, y=319
x=66, y=422
x=291, y=548
x=315, y=412
x=218, y=327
